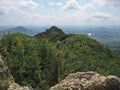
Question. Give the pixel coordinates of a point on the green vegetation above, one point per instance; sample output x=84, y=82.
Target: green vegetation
x=45, y=59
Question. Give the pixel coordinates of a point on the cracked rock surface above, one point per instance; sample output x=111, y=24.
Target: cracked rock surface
x=88, y=81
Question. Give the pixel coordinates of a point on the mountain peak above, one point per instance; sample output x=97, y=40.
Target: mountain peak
x=53, y=33
x=55, y=29
x=20, y=27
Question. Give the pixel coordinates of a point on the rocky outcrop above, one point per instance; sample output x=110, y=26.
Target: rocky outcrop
x=88, y=81
x=6, y=79
x=15, y=86
x=5, y=76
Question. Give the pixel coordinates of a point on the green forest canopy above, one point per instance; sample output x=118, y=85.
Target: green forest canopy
x=46, y=58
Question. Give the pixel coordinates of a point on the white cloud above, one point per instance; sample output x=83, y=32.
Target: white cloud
x=5, y=6
x=82, y=18
x=113, y=2
x=28, y=4
x=14, y=12
x=98, y=2
x=17, y=11
x=87, y=6
x=107, y=2
x=101, y=16
x=11, y=5
x=104, y=18
x=71, y=5
x=55, y=3
x=74, y=5
x=15, y=6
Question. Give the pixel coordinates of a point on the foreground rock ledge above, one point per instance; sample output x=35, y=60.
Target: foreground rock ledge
x=6, y=79
x=88, y=81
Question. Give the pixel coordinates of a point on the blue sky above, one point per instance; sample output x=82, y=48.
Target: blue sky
x=59, y=12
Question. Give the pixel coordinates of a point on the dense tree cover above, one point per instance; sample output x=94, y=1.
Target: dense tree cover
x=42, y=62
x=31, y=61
x=85, y=54
x=115, y=45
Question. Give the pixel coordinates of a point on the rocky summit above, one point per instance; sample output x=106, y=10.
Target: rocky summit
x=88, y=81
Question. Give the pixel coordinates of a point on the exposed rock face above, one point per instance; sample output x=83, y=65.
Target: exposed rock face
x=5, y=75
x=6, y=79
x=88, y=81
x=14, y=86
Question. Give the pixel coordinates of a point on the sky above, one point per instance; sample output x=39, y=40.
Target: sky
x=59, y=12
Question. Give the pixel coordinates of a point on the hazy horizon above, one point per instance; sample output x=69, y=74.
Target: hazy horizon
x=63, y=27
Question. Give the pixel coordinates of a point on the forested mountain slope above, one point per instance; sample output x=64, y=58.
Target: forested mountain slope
x=53, y=34
x=45, y=59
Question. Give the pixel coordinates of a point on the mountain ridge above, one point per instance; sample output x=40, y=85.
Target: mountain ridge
x=19, y=29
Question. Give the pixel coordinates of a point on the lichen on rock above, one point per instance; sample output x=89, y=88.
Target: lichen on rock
x=88, y=81
x=15, y=86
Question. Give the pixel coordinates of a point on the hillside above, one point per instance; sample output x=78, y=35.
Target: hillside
x=52, y=34
x=45, y=59
x=106, y=35
x=19, y=29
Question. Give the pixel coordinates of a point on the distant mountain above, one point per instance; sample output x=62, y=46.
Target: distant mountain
x=19, y=29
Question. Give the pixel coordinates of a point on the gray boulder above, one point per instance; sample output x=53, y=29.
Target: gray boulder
x=88, y=81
